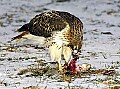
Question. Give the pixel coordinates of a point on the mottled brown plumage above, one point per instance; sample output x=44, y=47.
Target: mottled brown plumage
x=63, y=33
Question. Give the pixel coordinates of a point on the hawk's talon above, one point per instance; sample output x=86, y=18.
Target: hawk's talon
x=61, y=68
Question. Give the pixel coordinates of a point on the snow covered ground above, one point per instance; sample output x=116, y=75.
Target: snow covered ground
x=101, y=44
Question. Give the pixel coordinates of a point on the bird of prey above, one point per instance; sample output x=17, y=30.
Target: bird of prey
x=59, y=31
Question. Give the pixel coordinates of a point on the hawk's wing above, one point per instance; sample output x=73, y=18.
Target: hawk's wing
x=46, y=23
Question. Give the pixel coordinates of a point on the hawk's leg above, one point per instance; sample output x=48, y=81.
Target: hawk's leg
x=56, y=55
x=67, y=52
x=59, y=63
x=61, y=58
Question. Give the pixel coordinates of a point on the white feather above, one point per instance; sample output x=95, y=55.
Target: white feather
x=59, y=38
x=60, y=47
x=32, y=39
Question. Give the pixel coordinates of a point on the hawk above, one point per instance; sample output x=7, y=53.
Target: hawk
x=59, y=31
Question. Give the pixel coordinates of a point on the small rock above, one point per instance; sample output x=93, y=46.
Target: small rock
x=107, y=33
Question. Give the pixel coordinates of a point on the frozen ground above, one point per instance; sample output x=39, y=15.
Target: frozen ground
x=101, y=44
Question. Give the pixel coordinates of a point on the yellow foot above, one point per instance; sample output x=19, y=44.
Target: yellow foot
x=61, y=68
